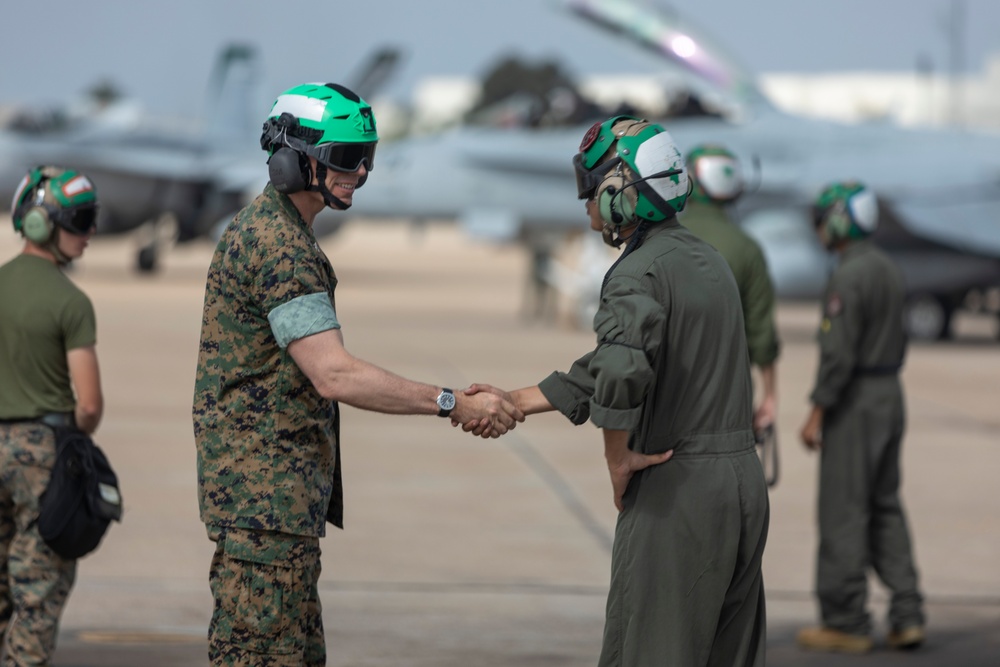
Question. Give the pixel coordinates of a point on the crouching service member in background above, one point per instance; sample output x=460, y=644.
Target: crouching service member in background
x=272, y=368
x=669, y=384
x=49, y=379
x=856, y=424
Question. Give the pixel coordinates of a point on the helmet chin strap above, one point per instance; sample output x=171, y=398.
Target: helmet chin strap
x=611, y=236
x=328, y=197
x=53, y=247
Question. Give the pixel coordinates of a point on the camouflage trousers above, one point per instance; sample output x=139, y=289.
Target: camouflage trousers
x=267, y=609
x=34, y=581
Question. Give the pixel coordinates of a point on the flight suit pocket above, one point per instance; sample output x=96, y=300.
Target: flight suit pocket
x=259, y=595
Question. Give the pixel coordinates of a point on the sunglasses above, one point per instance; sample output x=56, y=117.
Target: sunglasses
x=346, y=157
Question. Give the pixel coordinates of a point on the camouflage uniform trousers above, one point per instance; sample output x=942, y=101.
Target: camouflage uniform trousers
x=267, y=609
x=34, y=581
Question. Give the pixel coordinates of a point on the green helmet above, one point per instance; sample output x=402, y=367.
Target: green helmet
x=845, y=211
x=633, y=169
x=715, y=174
x=51, y=198
x=326, y=121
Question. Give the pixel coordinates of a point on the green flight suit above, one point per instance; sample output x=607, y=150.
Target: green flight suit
x=671, y=368
x=712, y=224
x=861, y=518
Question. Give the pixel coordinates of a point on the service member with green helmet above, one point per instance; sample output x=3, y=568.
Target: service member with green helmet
x=271, y=369
x=856, y=423
x=717, y=183
x=49, y=377
x=669, y=384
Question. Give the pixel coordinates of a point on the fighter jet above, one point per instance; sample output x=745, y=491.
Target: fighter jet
x=939, y=191
x=175, y=182
x=172, y=184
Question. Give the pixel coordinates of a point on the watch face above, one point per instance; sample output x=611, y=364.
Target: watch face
x=446, y=401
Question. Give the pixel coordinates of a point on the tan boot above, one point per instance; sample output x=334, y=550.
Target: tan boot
x=906, y=639
x=828, y=639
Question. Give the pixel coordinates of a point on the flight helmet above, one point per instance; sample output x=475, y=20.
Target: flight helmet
x=715, y=174
x=51, y=199
x=326, y=121
x=633, y=171
x=845, y=211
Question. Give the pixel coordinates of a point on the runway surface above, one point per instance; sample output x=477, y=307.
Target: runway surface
x=464, y=552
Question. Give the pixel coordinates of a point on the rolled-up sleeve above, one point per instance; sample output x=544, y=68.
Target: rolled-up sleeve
x=570, y=392
x=630, y=326
x=302, y=316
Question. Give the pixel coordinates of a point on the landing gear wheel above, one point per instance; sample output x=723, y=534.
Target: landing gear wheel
x=927, y=317
x=146, y=259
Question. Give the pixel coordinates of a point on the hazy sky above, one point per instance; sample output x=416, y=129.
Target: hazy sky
x=162, y=52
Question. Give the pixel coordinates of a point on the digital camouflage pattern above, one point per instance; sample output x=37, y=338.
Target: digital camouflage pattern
x=267, y=609
x=268, y=456
x=34, y=581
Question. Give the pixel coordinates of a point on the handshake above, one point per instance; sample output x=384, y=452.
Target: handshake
x=488, y=412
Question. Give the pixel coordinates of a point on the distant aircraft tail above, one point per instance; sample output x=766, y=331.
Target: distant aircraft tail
x=234, y=112
x=372, y=76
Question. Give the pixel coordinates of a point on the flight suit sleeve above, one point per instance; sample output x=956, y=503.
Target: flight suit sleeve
x=758, y=311
x=839, y=334
x=570, y=392
x=630, y=327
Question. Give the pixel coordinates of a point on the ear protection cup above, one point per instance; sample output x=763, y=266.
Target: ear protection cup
x=37, y=226
x=289, y=171
x=837, y=222
x=617, y=205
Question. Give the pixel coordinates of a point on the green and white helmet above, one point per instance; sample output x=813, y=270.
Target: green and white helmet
x=715, y=173
x=62, y=197
x=633, y=170
x=325, y=121
x=845, y=211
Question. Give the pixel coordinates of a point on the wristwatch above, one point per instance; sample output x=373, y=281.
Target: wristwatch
x=445, y=402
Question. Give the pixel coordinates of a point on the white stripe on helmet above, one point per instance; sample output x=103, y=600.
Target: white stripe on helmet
x=300, y=106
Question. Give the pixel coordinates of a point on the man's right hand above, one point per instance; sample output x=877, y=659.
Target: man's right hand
x=485, y=411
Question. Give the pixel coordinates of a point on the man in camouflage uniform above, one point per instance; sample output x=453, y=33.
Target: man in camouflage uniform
x=857, y=423
x=48, y=377
x=271, y=369
x=668, y=379
x=718, y=182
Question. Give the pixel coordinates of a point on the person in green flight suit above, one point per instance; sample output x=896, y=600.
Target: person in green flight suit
x=717, y=182
x=669, y=384
x=271, y=370
x=856, y=423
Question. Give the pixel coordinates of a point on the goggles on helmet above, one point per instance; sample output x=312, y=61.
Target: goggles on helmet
x=77, y=220
x=587, y=180
x=345, y=156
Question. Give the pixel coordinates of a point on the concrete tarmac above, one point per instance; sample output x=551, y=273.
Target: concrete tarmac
x=464, y=552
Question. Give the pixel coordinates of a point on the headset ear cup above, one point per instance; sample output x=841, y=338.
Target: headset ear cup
x=285, y=169
x=36, y=225
x=615, y=206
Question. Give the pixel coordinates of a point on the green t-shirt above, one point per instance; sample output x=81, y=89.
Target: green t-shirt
x=42, y=316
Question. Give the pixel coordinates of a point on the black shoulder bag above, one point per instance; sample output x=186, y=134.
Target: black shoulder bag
x=82, y=498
